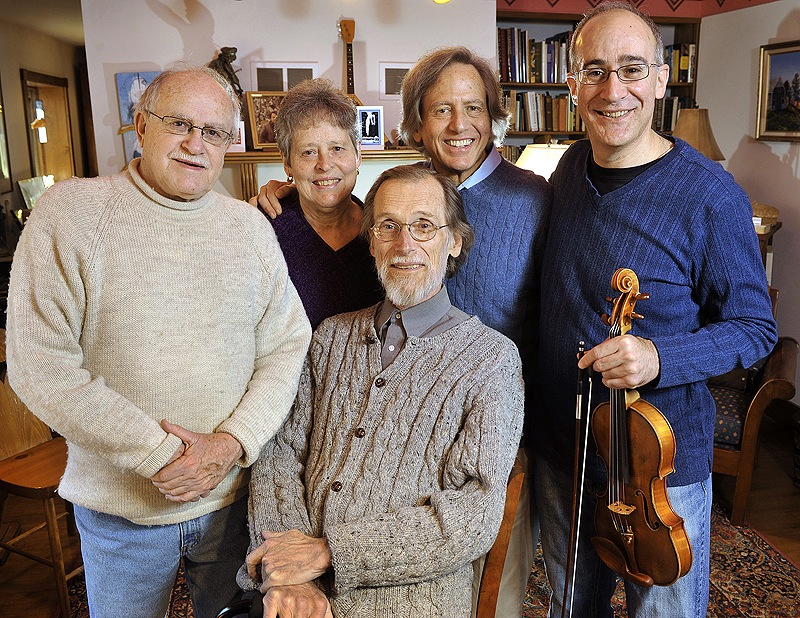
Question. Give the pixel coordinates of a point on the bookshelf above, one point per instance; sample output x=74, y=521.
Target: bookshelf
x=523, y=78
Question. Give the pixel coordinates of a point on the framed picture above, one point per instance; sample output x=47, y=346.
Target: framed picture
x=779, y=93
x=262, y=110
x=130, y=87
x=391, y=77
x=280, y=76
x=371, y=120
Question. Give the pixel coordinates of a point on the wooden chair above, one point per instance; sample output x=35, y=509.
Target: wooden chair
x=496, y=558
x=492, y=568
x=741, y=403
x=32, y=463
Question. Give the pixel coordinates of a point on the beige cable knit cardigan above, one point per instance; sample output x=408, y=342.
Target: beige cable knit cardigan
x=404, y=470
x=127, y=307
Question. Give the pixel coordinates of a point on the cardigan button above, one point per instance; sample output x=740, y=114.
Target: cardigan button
x=360, y=432
x=380, y=382
x=336, y=486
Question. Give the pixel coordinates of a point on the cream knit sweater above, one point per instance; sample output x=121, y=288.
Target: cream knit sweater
x=127, y=307
x=404, y=470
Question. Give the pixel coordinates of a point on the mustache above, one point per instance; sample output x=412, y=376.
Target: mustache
x=177, y=155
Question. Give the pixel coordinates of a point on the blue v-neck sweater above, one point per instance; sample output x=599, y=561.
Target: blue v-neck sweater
x=684, y=226
x=508, y=211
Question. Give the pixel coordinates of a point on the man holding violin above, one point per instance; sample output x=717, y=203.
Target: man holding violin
x=651, y=203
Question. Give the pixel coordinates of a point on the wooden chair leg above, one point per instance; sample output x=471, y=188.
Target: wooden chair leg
x=57, y=557
x=72, y=529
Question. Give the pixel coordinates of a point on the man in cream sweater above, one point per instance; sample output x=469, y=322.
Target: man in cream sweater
x=389, y=477
x=153, y=324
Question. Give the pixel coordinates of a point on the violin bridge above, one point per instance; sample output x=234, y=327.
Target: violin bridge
x=620, y=508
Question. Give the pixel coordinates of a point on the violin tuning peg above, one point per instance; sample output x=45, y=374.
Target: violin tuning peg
x=609, y=299
x=642, y=296
x=606, y=319
x=637, y=316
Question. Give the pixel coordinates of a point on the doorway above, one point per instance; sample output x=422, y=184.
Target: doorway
x=49, y=130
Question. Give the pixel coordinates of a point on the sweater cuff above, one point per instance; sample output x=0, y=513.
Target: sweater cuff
x=159, y=457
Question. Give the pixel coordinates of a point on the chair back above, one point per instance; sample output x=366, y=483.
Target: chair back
x=19, y=428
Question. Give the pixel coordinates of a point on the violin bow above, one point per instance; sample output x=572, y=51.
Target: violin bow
x=578, y=478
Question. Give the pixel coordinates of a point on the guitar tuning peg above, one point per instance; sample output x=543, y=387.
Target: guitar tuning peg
x=637, y=316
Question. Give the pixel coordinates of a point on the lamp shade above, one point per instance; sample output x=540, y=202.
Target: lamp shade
x=694, y=127
x=541, y=158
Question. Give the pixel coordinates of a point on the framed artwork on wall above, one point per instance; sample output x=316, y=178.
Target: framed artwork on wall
x=391, y=77
x=262, y=110
x=280, y=76
x=130, y=87
x=371, y=120
x=779, y=93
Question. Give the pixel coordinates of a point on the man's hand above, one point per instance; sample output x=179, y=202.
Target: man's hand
x=288, y=558
x=206, y=460
x=268, y=196
x=624, y=362
x=298, y=601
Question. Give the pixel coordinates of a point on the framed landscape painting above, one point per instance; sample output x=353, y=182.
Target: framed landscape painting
x=779, y=93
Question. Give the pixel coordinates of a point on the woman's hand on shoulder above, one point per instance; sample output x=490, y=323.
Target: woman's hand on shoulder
x=269, y=196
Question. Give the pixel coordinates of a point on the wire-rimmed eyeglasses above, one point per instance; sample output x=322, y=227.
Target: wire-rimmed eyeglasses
x=180, y=126
x=421, y=230
x=626, y=73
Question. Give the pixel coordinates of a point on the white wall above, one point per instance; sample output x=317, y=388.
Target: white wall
x=768, y=171
x=147, y=35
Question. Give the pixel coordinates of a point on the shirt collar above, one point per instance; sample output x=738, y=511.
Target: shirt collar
x=419, y=318
x=487, y=167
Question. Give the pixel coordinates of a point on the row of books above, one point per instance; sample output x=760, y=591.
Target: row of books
x=539, y=111
x=682, y=60
x=665, y=114
x=525, y=60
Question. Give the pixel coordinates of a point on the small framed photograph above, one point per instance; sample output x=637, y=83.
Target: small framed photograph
x=238, y=143
x=371, y=120
x=262, y=110
x=391, y=78
x=281, y=76
x=779, y=93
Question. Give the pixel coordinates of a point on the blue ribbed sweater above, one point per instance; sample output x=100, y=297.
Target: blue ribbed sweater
x=684, y=226
x=499, y=281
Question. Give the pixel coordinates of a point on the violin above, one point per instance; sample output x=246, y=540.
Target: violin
x=638, y=535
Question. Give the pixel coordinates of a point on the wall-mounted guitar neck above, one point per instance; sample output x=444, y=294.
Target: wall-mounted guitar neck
x=347, y=30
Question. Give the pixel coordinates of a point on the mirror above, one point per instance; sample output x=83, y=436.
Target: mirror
x=5, y=165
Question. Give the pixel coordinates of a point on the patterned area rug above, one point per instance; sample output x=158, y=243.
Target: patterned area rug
x=749, y=579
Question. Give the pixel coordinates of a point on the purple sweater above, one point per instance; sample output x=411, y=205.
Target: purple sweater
x=328, y=281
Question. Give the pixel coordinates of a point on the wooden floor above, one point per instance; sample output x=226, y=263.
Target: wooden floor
x=27, y=590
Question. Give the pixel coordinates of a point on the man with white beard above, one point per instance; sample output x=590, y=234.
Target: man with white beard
x=389, y=477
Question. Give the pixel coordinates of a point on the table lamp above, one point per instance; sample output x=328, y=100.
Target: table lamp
x=694, y=127
x=541, y=158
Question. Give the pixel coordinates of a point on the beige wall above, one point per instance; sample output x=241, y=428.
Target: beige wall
x=143, y=35
x=768, y=171
x=21, y=48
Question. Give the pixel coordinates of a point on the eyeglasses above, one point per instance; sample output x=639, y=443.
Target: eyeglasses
x=627, y=73
x=181, y=126
x=421, y=230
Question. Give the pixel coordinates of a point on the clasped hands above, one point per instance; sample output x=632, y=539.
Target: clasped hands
x=624, y=362
x=288, y=563
x=198, y=465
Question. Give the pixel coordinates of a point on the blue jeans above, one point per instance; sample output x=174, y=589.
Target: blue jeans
x=131, y=569
x=595, y=583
